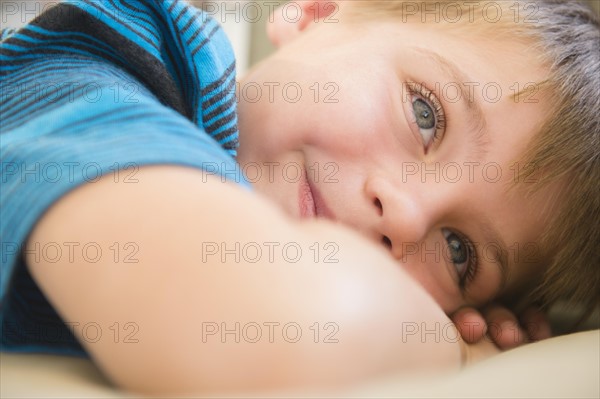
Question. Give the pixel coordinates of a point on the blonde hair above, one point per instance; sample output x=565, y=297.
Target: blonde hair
x=565, y=35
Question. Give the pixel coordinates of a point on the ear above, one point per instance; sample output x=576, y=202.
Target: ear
x=289, y=20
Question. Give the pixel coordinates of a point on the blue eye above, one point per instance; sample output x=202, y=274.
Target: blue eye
x=428, y=114
x=425, y=119
x=462, y=254
x=424, y=114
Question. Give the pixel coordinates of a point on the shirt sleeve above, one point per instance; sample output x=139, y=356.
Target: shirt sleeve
x=85, y=93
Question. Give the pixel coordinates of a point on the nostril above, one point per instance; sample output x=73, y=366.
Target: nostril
x=387, y=242
x=378, y=206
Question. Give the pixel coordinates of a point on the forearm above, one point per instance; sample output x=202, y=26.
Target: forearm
x=176, y=294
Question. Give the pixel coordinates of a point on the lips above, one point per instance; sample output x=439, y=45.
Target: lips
x=306, y=199
x=310, y=200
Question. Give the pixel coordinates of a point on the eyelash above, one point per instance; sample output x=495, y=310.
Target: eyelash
x=420, y=90
x=472, y=266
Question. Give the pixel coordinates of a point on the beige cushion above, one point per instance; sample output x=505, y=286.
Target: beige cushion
x=561, y=367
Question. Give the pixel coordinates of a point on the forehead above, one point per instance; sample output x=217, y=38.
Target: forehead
x=482, y=41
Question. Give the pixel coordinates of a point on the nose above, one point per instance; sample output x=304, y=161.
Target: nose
x=403, y=215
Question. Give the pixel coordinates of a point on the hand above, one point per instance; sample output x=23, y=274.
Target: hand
x=500, y=325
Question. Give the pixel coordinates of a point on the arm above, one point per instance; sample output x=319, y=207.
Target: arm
x=171, y=294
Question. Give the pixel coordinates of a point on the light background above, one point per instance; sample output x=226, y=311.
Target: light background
x=243, y=20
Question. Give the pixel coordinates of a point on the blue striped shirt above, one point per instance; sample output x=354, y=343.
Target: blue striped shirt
x=93, y=88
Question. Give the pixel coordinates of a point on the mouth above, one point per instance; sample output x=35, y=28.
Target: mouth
x=310, y=201
x=306, y=199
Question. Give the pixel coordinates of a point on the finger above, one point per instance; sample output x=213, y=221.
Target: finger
x=481, y=350
x=504, y=328
x=470, y=323
x=536, y=324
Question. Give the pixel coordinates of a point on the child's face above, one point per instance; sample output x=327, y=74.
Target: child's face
x=372, y=165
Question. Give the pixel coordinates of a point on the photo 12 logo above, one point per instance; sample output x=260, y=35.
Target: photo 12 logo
x=268, y=252
x=453, y=12
x=259, y=11
x=255, y=172
x=69, y=332
x=253, y=332
x=70, y=171
x=72, y=251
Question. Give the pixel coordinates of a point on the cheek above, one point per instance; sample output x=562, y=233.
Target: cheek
x=261, y=131
x=346, y=115
x=435, y=279
x=351, y=132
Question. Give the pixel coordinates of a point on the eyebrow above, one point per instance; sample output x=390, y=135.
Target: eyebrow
x=476, y=115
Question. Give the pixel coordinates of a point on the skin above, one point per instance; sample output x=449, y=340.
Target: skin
x=369, y=294
x=365, y=154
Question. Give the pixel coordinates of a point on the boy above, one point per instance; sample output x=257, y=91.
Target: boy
x=188, y=271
